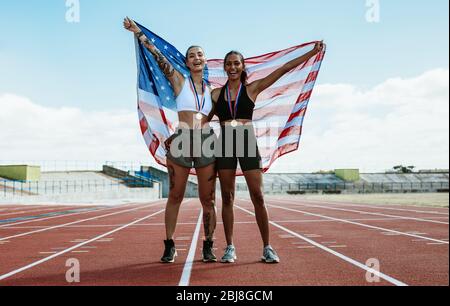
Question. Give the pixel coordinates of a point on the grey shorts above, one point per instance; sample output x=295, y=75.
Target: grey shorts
x=192, y=148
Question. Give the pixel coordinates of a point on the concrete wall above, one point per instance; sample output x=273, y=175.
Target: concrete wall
x=131, y=195
x=74, y=187
x=21, y=172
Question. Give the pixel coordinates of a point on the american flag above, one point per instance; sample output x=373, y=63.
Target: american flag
x=279, y=113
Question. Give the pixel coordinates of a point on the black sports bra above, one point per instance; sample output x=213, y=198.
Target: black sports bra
x=245, y=107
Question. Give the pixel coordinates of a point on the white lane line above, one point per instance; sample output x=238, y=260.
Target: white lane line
x=375, y=206
x=359, y=224
x=286, y=236
x=365, y=212
x=341, y=256
x=37, y=210
x=218, y=223
x=187, y=271
x=390, y=234
x=79, y=221
x=60, y=216
x=36, y=263
x=313, y=236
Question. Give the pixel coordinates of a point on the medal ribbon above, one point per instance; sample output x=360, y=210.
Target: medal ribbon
x=200, y=103
x=236, y=99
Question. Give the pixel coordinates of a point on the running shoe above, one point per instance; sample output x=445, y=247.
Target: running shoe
x=208, y=255
x=269, y=255
x=170, y=252
x=230, y=254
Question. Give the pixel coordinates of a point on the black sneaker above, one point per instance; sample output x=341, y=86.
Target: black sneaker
x=208, y=255
x=170, y=252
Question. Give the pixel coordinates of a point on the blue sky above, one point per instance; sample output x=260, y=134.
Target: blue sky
x=381, y=98
x=91, y=65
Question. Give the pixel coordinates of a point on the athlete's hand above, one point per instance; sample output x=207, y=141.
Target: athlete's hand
x=168, y=142
x=318, y=47
x=130, y=25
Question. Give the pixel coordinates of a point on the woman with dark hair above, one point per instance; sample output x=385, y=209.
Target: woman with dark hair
x=234, y=105
x=194, y=105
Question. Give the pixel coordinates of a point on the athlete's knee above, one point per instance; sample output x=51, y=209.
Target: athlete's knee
x=228, y=197
x=258, y=199
x=175, y=198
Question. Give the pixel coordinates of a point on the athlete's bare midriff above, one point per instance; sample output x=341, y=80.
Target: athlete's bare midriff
x=189, y=120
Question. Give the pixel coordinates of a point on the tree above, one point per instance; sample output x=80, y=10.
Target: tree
x=403, y=169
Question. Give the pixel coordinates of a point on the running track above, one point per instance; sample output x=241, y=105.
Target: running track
x=320, y=243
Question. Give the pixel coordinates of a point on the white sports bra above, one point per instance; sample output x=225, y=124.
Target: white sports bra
x=186, y=101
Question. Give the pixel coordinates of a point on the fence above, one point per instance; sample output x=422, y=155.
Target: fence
x=18, y=188
x=352, y=187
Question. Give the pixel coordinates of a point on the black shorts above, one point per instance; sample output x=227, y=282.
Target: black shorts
x=238, y=144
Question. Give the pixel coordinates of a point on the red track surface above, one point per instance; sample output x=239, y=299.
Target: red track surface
x=319, y=244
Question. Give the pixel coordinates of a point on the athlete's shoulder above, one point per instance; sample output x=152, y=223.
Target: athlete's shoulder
x=215, y=93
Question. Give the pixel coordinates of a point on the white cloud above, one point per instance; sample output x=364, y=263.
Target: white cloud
x=401, y=121
x=32, y=132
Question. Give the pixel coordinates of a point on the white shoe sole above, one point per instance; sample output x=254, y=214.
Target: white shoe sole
x=269, y=261
x=172, y=261
x=228, y=260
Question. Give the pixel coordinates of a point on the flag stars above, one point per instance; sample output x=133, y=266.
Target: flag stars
x=153, y=39
x=166, y=47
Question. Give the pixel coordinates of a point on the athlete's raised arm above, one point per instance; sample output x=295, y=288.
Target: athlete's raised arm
x=174, y=77
x=258, y=86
